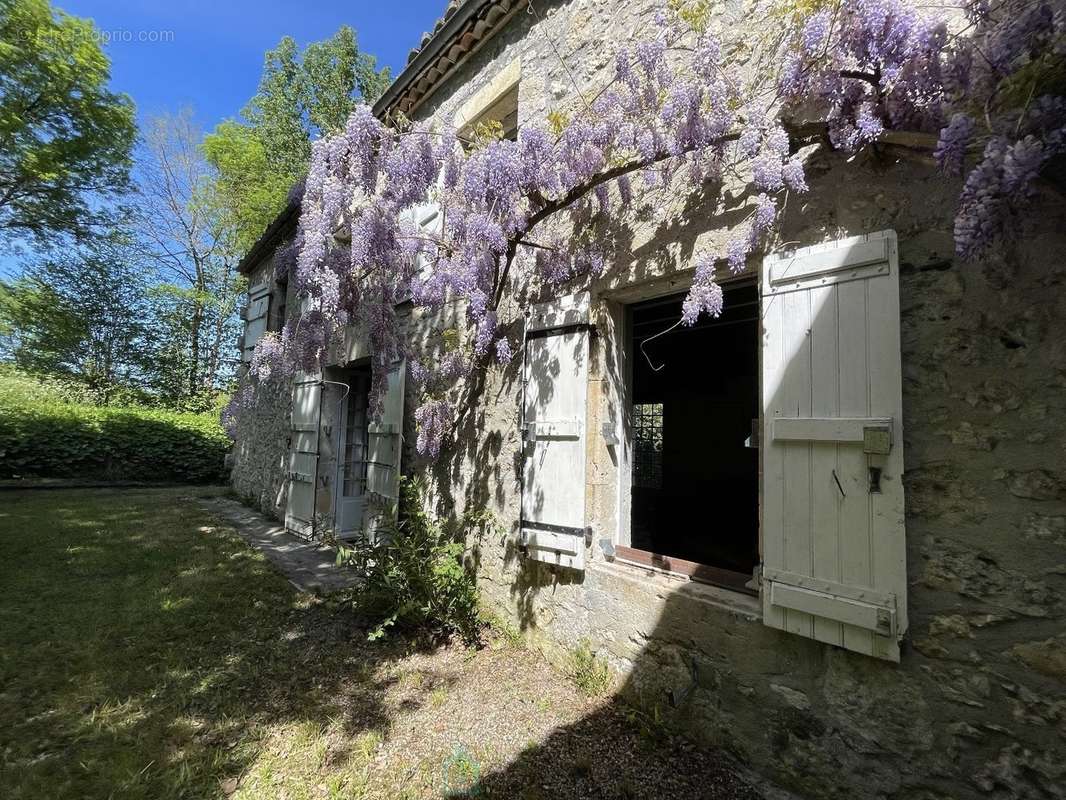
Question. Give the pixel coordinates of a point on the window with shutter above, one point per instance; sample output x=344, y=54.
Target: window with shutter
x=554, y=415
x=383, y=448
x=834, y=550
x=688, y=503
x=303, y=455
x=256, y=316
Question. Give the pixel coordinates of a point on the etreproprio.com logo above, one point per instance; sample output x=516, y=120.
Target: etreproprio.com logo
x=70, y=37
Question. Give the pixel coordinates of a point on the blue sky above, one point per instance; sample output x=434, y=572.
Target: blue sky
x=208, y=54
x=215, y=53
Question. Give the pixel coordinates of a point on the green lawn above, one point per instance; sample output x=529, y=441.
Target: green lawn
x=145, y=652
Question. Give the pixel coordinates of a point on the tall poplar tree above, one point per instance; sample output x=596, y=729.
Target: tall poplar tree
x=301, y=96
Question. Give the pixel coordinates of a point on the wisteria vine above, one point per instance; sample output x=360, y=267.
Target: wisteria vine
x=521, y=217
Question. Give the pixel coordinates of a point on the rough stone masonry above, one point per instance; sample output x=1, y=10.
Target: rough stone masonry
x=977, y=706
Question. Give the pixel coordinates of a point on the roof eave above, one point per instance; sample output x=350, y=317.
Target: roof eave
x=441, y=38
x=271, y=237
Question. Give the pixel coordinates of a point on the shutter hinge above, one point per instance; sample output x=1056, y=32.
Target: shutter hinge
x=756, y=579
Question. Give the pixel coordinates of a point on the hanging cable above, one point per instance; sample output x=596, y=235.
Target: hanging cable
x=650, y=338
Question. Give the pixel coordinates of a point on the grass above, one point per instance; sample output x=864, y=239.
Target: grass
x=589, y=672
x=147, y=652
x=144, y=653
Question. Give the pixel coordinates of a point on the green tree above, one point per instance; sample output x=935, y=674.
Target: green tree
x=336, y=76
x=277, y=111
x=81, y=314
x=38, y=331
x=65, y=139
x=300, y=97
x=247, y=188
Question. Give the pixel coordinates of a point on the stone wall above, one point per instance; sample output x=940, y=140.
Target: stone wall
x=261, y=448
x=977, y=707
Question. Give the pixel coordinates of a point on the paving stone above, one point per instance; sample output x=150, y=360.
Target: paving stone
x=309, y=566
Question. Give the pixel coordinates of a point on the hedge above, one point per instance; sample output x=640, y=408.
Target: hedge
x=45, y=436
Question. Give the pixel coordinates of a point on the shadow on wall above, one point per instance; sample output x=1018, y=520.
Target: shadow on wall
x=966, y=714
x=827, y=722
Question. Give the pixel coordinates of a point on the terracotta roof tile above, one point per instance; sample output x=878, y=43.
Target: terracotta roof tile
x=479, y=26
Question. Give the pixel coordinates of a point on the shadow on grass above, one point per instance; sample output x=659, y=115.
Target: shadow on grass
x=143, y=654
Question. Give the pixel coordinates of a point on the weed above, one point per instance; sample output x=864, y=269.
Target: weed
x=590, y=673
x=461, y=774
x=647, y=718
x=415, y=678
x=415, y=577
x=505, y=631
x=367, y=744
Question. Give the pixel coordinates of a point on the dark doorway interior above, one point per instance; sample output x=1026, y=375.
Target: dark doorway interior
x=695, y=393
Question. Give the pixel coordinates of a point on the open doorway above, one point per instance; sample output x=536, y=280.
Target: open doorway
x=351, y=463
x=695, y=399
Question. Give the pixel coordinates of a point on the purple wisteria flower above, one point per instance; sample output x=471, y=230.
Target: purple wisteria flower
x=517, y=218
x=433, y=419
x=954, y=139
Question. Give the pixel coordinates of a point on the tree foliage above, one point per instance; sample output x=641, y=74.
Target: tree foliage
x=82, y=313
x=190, y=244
x=146, y=307
x=300, y=97
x=248, y=187
x=65, y=138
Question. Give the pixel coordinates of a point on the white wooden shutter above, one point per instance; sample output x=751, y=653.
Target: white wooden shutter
x=555, y=379
x=303, y=454
x=256, y=316
x=383, y=445
x=429, y=220
x=834, y=549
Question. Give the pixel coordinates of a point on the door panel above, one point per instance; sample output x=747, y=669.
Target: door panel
x=303, y=455
x=351, y=461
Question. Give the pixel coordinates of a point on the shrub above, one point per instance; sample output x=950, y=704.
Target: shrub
x=415, y=574
x=45, y=432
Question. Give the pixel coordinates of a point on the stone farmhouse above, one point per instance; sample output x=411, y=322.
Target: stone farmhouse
x=839, y=508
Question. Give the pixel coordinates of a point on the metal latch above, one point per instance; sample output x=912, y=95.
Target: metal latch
x=753, y=440
x=876, y=440
x=610, y=434
x=535, y=430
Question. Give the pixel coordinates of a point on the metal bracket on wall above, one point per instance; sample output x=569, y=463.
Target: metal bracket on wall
x=610, y=434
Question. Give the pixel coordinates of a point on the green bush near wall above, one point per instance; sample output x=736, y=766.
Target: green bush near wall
x=46, y=433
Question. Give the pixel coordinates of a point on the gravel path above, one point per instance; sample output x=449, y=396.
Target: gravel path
x=500, y=722
x=416, y=720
